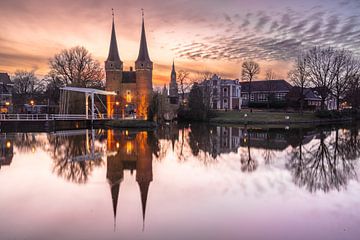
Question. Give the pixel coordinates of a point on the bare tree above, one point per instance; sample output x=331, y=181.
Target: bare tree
x=299, y=76
x=345, y=69
x=321, y=70
x=76, y=67
x=270, y=74
x=26, y=86
x=250, y=69
x=184, y=81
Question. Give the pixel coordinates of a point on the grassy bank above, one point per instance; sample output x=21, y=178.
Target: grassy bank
x=142, y=124
x=271, y=118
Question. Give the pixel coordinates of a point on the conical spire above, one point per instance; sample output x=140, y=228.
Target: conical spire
x=173, y=68
x=113, y=50
x=143, y=51
x=115, y=196
x=144, y=188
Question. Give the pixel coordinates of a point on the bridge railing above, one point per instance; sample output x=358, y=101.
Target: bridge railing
x=44, y=117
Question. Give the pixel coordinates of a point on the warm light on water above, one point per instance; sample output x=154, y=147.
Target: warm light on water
x=181, y=183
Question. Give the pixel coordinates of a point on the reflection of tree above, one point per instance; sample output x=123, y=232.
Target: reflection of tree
x=64, y=149
x=202, y=141
x=268, y=153
x=324, y=166
x=248, y=163
x=26, y=142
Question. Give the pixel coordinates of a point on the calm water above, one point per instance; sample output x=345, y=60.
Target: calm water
x=196, y=182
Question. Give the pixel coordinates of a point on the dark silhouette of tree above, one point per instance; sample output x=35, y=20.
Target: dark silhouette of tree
x=26, y=87
x=76, y=67
x=299, y=76
x=63, y=150
x=28, y=142
x=250, y=70
x=184, y=82
x=196, y=105
x=323, y=166
x=248, y=163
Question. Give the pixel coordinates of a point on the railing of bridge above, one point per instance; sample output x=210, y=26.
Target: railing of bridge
x=49, y=117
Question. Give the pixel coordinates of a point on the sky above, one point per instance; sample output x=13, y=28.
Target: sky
x=200, y=35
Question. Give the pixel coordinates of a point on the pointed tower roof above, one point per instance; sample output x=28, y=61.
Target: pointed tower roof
x=143, y=51
x=113, y=50
x=144, y=188
x=173, y=68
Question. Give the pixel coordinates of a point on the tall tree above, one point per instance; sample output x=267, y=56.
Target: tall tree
x=250, y=69
x=196, y=104
x=184, y=82
x=299, y=76
x=345, y=69
x=320, y=65
x=77, y=67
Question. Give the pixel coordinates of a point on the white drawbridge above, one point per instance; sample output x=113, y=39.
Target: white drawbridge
x=90, y=93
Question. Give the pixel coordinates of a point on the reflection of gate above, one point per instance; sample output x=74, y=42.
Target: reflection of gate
x=130, y=110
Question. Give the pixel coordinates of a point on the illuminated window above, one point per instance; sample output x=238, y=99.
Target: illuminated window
x=128, y=96
x=129, y=147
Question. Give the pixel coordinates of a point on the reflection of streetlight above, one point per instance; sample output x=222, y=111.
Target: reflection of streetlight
x=117, y=103
x=7, y=104
x=8, y=144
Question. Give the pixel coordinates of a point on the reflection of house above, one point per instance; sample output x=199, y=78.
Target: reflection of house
x=263, y=91
x=5, y=93
x=222, y=93
x=6, y=150
x=129, y=151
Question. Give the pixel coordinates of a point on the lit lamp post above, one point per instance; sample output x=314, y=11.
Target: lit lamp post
x=32, y=103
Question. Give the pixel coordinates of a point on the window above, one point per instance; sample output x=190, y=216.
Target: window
x=225, y=92
x=214, y=82
x=252, y=97
x=128, y=96
x=262, y=97
x=280, y=96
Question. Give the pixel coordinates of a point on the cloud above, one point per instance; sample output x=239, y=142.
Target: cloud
x=278, y=37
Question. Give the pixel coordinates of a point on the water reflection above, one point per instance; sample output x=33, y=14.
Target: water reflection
x=312, y=161
x=75, y=154
x=6, y=149
x=325, y=164
x=130, y=150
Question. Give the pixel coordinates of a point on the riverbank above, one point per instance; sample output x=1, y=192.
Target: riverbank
x=273, y=119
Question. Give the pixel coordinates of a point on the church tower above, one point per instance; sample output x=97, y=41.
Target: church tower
x=113, y=70
x=143, y=68
x=113, y=64
x=174, y=92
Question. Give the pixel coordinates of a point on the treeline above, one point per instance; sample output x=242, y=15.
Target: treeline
x=71, y=67
x=332, y=72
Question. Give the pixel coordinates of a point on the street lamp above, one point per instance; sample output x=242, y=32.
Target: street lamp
x=32, y=102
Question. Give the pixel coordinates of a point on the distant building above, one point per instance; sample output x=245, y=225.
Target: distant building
x=224, y=94
x=174, y=90
x=6, y=105
x=263, y=91
x=312, y=99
